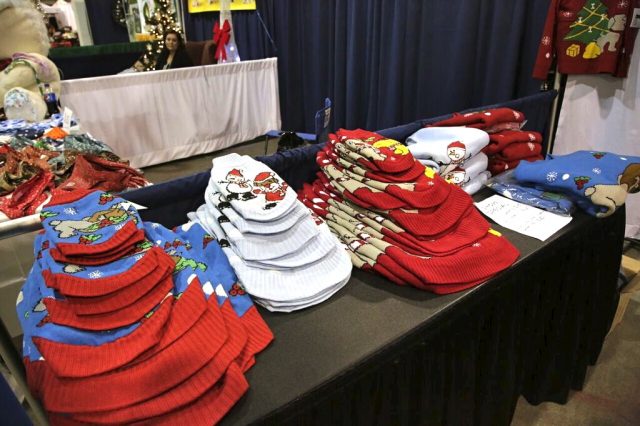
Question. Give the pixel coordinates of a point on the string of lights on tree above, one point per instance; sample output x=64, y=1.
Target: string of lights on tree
x=118, y=13
x=162, y=21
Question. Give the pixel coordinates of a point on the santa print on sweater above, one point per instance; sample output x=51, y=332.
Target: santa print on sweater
x=273, y=189
x=264, y=183
x=587, y=37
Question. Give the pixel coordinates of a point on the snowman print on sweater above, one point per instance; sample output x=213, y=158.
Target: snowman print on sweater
x=456, y=151
x=457, y=176
x=238, y=187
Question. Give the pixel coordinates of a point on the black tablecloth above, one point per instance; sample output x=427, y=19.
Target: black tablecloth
x=377, y=353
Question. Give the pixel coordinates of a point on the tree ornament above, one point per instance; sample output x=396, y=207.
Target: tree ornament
x=592, y=23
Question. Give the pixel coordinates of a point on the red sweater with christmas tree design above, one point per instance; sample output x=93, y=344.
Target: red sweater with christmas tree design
x=587, y=37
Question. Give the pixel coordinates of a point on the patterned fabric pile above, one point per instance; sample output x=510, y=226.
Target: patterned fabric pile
x=400, y=219
x=30, y=130
x=30, y=169
x=126, y=321
x=284, y=258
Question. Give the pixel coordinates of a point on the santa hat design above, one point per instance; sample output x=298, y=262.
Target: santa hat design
x=262, y=177
x=456, y=144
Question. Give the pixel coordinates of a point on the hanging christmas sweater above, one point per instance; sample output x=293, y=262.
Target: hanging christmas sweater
x=587, y=37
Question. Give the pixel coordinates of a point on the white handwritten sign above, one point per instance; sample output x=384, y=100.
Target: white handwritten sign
x=66, y=119
x=522, y=218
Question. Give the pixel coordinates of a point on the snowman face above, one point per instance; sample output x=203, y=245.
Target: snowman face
x=455, y=177
x=456, y=154
x=235, y=179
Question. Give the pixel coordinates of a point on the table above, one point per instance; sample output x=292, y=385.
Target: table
x=381, y=354
x=155, y=117
x=376, y=353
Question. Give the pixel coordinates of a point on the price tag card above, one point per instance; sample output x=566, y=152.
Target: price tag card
x=66, y=119
x=527, y=220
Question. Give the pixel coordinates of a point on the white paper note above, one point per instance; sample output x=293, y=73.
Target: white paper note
x=522, y=218
x=66, y=119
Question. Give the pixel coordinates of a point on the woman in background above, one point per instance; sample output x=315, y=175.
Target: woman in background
x=174, y=54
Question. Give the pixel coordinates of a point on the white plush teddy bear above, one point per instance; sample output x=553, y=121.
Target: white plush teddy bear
x=26, y=44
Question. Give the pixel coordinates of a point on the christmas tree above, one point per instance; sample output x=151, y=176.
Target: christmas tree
x=162, y=21
x=592, y=22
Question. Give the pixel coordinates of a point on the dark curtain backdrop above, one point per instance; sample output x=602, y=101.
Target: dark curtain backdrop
x=104, y=29
x=386, y=62
x=382, y=62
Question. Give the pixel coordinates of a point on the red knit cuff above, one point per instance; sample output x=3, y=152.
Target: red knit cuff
x=68, y=360
x=143, y=380
x=69, y=285
x=258, y=333
x=59, y=196
x=435, y=221
x=60, y=312
x=115, y=247
x=120, y=299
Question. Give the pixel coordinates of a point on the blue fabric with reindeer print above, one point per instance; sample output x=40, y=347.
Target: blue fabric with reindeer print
x=32, y=314
x=92, y=219
x=598, y=181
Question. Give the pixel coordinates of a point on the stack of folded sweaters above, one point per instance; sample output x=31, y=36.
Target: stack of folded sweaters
x=284, y=259
x=400, y=219
x=508, y=144
x=126, y=321
x=455, y=153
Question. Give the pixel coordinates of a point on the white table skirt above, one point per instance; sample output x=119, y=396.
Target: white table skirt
x=155, y=117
